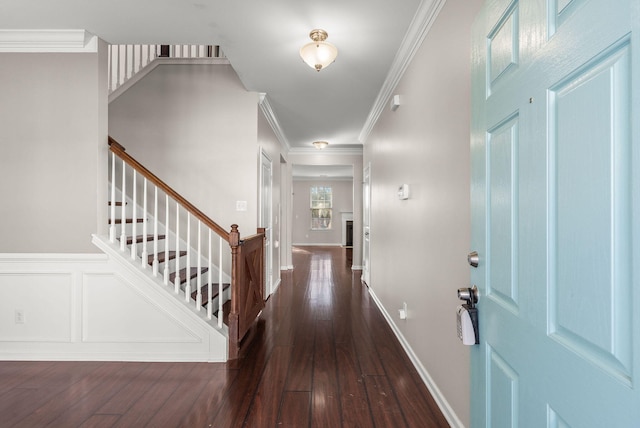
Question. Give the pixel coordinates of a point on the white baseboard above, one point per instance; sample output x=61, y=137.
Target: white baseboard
x=275, y=286
x=356, y=267
x=441, y=401
x=311, y=244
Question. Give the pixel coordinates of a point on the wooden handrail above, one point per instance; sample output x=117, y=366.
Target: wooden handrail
x=119, y=150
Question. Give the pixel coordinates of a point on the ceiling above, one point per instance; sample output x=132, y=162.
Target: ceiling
x=261, y=40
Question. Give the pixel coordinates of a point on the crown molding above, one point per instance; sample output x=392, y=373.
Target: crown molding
x=79, y=41
x=331, y=150
x=270, y=115
x=418, y=29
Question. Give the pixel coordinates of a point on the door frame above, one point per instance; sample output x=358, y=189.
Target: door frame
x=265, y=218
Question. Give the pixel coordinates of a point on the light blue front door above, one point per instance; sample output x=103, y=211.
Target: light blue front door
x=556, y=213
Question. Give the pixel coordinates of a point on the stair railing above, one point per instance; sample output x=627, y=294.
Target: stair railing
x=184, y=234
x=125, y=61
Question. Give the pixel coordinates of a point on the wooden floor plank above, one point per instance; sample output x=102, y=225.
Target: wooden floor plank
x=180, y=402
x=325, y=399
x=294, y=412
x=353, y=395
x=265, y=405
x=14, y=373
x=210, y=400
x=416, y=404
x=100, y=421
x=384, y=406
x=151, y=401
x=116, y=377
x=132, y=392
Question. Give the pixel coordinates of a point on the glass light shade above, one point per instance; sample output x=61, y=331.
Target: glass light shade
x=320, y=144
x=318, y=55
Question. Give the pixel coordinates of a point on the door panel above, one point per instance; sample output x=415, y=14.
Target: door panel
x=590, y=202
x=554, y=173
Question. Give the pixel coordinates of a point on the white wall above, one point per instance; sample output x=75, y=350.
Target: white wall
x=419, y=246
x=196, y=128
x=342, y=192
x=53, y=119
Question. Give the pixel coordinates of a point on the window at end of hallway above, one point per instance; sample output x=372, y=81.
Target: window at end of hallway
x=321, y=199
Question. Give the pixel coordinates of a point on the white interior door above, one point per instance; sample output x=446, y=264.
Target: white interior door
x=266, y=219
x=555, y=209
x=366, y=219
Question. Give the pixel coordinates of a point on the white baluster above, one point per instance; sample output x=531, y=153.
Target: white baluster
x=176, y=280
x=134, y=228
x=166, y=240
x=145, y=253
x=125, y=65
x=155, y=232
x=139, y=63
x=199, y=280
x=187, y=287
x=209, y=285
x=112, y=227
x=220, y=288
x=123, y=214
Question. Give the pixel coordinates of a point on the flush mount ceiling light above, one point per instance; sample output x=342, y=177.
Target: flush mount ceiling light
x=320, y=144
x=318, y=54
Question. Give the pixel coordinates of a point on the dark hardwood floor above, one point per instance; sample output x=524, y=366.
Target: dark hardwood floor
x=323, y=356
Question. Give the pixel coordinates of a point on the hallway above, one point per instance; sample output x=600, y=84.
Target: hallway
x=324, y=357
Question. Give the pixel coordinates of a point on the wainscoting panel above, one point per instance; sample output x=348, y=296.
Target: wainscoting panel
x=91, y=307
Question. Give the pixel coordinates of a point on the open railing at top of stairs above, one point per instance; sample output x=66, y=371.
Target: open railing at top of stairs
x=125, y=61
x=150, y=201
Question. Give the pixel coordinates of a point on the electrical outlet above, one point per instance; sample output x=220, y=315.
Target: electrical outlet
x=19, y=316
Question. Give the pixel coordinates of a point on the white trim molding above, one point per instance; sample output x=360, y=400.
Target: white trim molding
x=270, y=115
x=448, y=412
x=64, y=41
x=418, y=29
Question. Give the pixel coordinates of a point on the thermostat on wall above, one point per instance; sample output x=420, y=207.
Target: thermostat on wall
x=403, y=192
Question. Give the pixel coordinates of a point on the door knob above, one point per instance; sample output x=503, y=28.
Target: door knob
x=471, y=295
x=473, y=259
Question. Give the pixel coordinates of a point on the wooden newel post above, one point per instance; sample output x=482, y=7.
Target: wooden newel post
x=234, y=243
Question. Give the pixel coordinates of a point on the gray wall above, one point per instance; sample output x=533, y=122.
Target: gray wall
x=342, y=202
x=196, y=127
x=419, y=246
x=53, y=139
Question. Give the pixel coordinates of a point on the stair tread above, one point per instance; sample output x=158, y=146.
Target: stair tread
x=128, y=221
x=161, y=255
x=226, y=308
x=142, y=238
x=183, y=274
x=214, y=292
x=117, y=204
